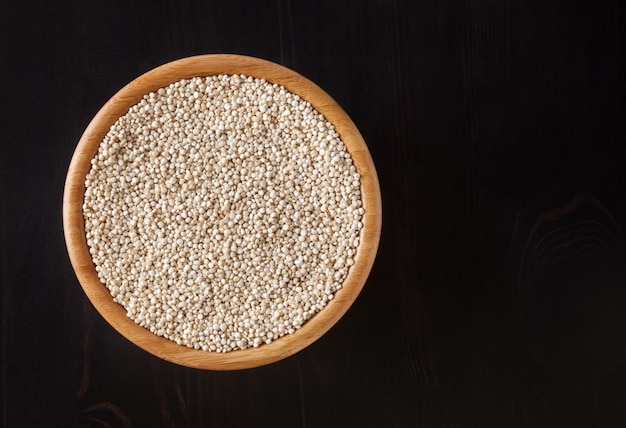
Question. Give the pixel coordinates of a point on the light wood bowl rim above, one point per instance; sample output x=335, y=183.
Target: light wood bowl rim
x=73, y=221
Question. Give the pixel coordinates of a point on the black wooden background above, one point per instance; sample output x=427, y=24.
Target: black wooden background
x=498, y=298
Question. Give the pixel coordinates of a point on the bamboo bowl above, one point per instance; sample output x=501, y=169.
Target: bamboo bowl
x=115, y=314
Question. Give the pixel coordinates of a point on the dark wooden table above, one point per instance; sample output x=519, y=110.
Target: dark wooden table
x=498, y=298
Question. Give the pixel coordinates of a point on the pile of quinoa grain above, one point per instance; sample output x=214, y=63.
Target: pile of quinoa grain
x=222, y=212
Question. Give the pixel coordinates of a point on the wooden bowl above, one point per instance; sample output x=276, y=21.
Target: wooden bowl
x=74, y=226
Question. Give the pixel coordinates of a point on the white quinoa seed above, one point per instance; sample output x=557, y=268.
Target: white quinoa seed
x=222, y=212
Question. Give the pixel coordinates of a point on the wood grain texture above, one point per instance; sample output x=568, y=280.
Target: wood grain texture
x=200, y=66
x=497, y=295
